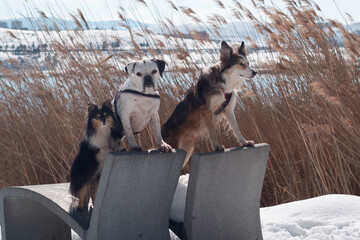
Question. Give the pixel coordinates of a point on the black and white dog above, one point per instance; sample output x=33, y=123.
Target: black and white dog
x=137, y=101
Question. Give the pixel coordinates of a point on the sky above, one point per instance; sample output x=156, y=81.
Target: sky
x=107, y=9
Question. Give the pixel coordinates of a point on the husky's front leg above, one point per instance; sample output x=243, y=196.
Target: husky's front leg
x=230, y=116
x=155, y=124
x=209, y=120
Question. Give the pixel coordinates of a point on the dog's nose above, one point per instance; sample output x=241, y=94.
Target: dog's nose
x=148, y=81
x=254, y=73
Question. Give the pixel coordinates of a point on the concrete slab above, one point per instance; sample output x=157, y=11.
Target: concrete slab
x=223, y=195
x=133, y=201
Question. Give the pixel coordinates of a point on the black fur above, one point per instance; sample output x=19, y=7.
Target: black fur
x=85, y=168
x=207, y=85
x=93, y=110
x=179, y=115
x=195, y=97
x=228, y=58
x=161, y=65
x=197, y=114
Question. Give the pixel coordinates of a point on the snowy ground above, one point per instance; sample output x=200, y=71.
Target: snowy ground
x=329, y=217
x=325, y=217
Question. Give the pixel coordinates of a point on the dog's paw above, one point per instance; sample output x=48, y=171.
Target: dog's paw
x=248, y=144
x=220, y=148
x=165, y=148
x=136, y=148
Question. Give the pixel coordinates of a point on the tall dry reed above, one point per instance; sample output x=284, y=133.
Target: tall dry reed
x=305, y=102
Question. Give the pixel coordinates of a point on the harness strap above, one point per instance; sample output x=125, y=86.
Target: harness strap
x=223, y=106
x=116, y=114
x=140, y=93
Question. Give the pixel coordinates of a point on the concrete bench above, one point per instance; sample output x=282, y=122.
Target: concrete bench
x=133, y=202
x=223, y=195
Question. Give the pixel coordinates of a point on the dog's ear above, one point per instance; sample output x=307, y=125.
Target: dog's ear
x=242, y=49
x=91, y=108
x=160, y=64
x=130, y=67
x=107, y=104
x=225, y=51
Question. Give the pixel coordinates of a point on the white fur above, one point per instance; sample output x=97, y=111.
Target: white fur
x=137, y=111
x=234, y=78
x=145, y=67
x=100, y=139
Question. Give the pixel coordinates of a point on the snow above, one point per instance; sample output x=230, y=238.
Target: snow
x=333, y=217
x=328, y=217
x=324, y=217
x=178, y=205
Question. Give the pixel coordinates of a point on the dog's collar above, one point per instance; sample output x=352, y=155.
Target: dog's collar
x=140, y=93
x=224, y=104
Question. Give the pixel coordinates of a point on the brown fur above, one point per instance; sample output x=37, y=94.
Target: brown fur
x=96, y=123
x=83, y=196
x=195, y=116
x=192, y=116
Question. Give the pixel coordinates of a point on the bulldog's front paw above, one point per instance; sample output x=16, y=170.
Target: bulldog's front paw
x=219, y=148
x=136, y=148
x=164, y=147
x=248, y=144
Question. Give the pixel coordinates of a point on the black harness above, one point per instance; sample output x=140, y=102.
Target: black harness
x=223, y=106
x=139, y=93
x=116, y=114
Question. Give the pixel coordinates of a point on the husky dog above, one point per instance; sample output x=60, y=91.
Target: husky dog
x=138, y=101
x=213, y=97
x=102, y=133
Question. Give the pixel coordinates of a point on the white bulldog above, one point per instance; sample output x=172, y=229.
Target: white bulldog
x=137, y=102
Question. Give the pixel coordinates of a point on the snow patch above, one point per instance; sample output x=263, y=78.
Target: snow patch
x=324, y=217
x=177, y=210
x=328, y=217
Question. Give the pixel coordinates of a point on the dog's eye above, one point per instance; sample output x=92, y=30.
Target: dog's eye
x=154, y=71
x=97, y=117
x=139, y=74
x=106, y=115
x=242, y=64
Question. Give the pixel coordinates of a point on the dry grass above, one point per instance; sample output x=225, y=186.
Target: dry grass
x=306, y=104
